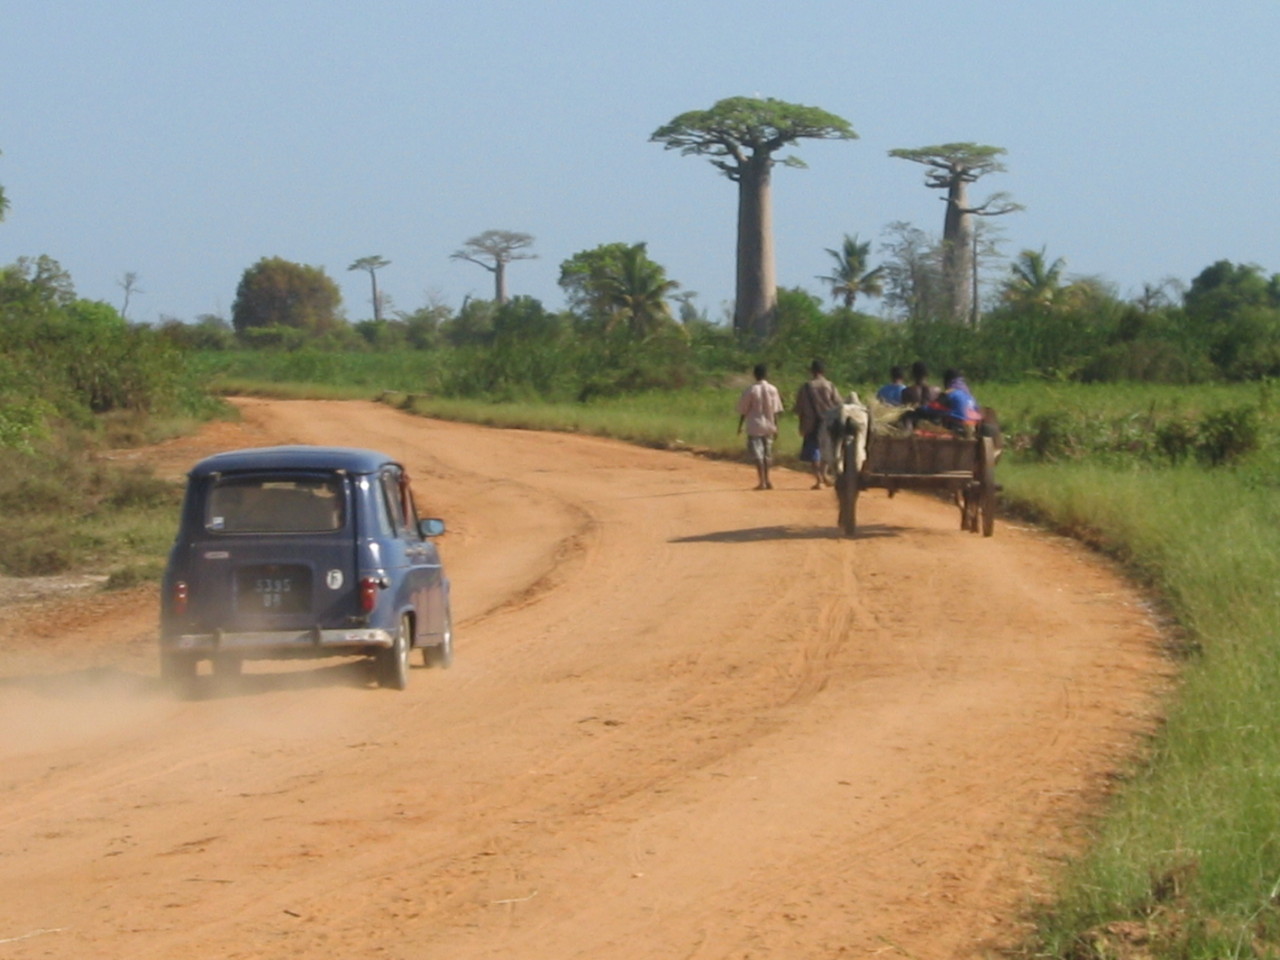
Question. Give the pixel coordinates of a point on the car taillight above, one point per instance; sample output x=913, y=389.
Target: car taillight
x=369, y=587
x=180, y=598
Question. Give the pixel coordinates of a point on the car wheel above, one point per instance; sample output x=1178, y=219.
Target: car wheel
x=392, y=664
x=441, y=654
x=178, y=671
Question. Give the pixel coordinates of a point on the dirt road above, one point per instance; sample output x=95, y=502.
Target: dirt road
x=685, y=721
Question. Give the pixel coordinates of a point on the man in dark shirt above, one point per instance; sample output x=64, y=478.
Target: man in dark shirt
x=815, y=397
x=919, y=393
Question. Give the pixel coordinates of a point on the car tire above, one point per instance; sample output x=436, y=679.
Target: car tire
x=178, y=671
x=441, y=654
x=392, y=664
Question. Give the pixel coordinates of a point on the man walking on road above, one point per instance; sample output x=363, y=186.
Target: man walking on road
x=816, y=396
x=758, y=408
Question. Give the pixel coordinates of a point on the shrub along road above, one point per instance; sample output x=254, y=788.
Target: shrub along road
x=685, y=720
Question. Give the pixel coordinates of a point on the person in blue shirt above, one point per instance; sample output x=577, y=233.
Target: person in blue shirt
x=960, y=411
x=891, y=392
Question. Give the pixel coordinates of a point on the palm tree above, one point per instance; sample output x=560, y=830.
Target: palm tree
x=634, y=289
x=850, y=275
x=1033, y=281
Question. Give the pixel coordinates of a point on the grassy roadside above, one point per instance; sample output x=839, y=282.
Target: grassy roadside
x=1187, y=862
x=77, y=502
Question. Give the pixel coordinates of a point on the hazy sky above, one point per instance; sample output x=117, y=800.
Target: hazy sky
x=183, y=141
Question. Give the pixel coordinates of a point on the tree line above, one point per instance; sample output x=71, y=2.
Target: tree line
x=1037, y=321
x=628, y=325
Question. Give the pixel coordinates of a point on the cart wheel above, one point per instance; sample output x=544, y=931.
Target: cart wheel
x=847, y=491
x=969, y=508
x=987, y=493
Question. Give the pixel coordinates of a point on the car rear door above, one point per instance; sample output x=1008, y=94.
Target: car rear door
x=276, y=553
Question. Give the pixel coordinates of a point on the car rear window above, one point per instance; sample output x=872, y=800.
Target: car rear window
x=275, y=504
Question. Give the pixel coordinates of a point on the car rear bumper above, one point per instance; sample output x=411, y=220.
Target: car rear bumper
x=281, y=643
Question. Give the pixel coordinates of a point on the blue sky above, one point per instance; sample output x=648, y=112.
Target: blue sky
x=184, y=141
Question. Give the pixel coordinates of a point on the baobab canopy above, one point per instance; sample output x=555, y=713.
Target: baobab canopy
x=740, y=135
x=953, y=166
x=738, y=128
x=968, y=160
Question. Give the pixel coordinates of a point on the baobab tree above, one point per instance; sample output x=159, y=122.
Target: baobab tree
x=373, y=265
x=493, y=250
x=740, y=135
x=953, y=166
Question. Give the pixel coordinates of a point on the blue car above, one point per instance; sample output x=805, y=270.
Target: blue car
x=303, y=551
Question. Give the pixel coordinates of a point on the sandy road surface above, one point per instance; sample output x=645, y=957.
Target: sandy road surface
x=685, y=721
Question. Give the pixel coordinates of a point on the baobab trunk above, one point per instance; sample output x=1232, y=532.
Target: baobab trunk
x=377, y=297
x=757, y=285
x=500, y=282
x=957, y=251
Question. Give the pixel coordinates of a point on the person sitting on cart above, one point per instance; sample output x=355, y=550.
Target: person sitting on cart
x=919, y=392
x=891, y=392
x=959, y=411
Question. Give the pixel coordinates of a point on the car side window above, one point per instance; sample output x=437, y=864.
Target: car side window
x=410, y=508
x=389, y=483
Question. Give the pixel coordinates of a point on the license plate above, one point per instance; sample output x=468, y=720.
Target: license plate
x=275, y=588
x=273, y=592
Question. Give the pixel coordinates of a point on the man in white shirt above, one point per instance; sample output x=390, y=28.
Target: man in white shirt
x=759, y=408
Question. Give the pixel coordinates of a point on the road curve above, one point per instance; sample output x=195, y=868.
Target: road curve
x=686, y=720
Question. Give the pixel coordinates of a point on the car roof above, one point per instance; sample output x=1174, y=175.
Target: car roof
x=295, y=457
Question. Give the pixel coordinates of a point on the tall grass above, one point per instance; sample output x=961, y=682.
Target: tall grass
x=64, y=507
x=317, y=373
x=1191, y=851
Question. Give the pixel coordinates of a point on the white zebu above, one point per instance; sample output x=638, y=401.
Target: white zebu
x=843, y=443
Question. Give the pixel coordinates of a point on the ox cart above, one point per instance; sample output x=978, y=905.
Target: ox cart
x=961, y=466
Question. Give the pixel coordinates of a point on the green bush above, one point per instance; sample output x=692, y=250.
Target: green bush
x=21, y=423
x=1176, y=438
x=1228, y=436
